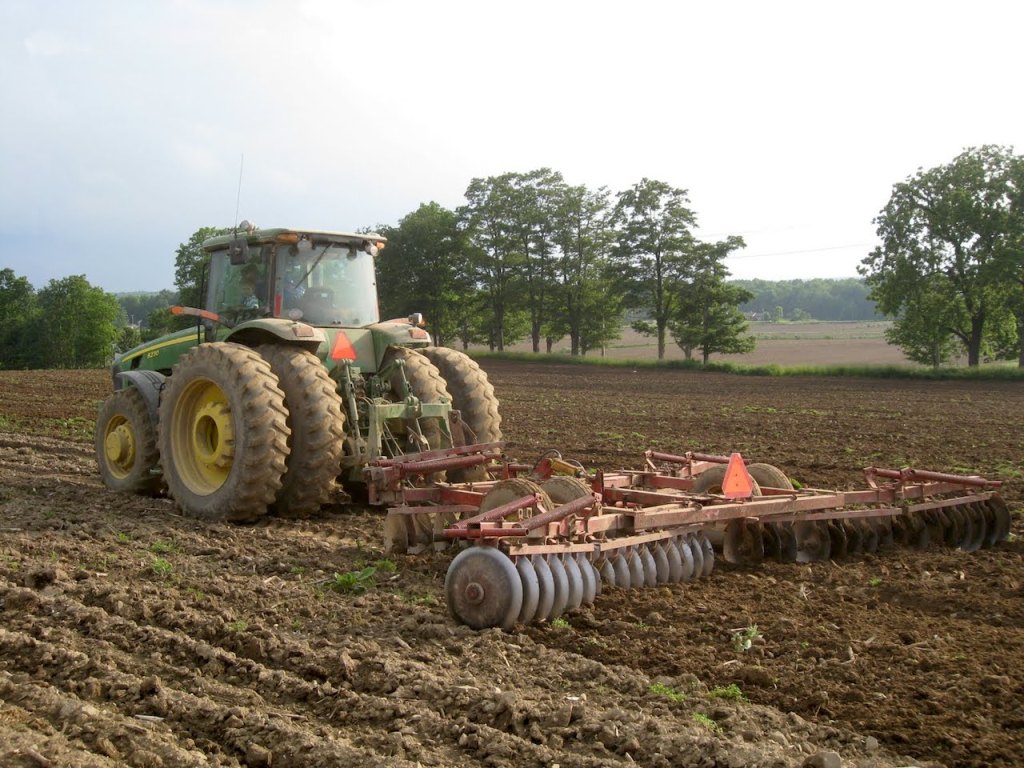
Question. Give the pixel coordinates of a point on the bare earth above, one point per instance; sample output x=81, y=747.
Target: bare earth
x=130, y=635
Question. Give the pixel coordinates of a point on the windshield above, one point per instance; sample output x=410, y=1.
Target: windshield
x=320, y=285
x=328, y=286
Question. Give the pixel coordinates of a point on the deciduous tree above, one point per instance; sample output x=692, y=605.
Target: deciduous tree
x=949, y=229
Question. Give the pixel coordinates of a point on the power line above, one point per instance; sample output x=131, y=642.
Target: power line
x=794, y=253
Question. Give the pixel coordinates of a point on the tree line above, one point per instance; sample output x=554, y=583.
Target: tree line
x=530, y=256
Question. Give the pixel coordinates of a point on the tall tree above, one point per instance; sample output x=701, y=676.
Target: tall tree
x=190, y=267
x=18, y=311
x=654, y=249
x=424, y=269
x=707, y=315
x=493, y=250
x=946, y=228
x=584, y=290
x=78, y=324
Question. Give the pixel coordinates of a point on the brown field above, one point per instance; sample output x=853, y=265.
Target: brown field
x=811, y=343
x=131, y=635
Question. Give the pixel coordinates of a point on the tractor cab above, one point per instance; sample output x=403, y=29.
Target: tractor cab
x=324, y=279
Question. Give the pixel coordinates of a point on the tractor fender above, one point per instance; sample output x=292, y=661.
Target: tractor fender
x=270, y=330
x=149, y=384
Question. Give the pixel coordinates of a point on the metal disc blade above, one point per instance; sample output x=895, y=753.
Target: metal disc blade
x=885, y=537
x=675, y=562
x=743, y=544
x=590, y=579
x=682, y=545
x=546, y=585
x=561, y=587
x=697, y=554
x=572, y=572
x=483, y=589
x=708, y=553
x=854, y=538
x=607, y=571
x=812, y=541
x=770, y=536
x=1002, y=513
x=531, y=590
x=650, y=567
x=622, y=577
x=837, y=539
x=637, y=578
x=660, y=561
x=787, y=542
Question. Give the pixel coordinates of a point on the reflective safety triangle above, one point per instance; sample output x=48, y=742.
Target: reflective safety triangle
x=737, y=484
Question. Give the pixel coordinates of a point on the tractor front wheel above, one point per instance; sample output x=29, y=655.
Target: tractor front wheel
x=223, y=433
x=126, y=444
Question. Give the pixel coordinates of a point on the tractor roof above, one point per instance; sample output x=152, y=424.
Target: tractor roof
x=287, y=235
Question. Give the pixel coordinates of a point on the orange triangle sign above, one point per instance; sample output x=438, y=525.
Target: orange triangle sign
x=737, y=484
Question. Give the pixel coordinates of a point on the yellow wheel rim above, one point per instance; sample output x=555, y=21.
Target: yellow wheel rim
x=119, y=447
x=203, y=437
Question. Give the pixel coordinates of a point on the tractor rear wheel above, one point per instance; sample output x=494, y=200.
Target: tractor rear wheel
x=317, y=424
x=126, y=444
x=223, y=433
x=473, y=396
x=426, y=384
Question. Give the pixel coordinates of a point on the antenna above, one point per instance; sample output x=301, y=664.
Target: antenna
x=238, y=197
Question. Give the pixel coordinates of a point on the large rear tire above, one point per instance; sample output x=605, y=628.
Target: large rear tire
x=223, y=433
x=317, y=424
x=473, y=396
x=426, y=384
x=126, y=449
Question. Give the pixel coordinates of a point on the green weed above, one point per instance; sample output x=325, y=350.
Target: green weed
x=353, y=582
x=163, y=547
x=701, y=719
x=660, y=689
x=743, y=639
x=875, y=581
x=731, y=692
x=122, y=538
x=560, y=623
x=238, y=626
x=161, y=567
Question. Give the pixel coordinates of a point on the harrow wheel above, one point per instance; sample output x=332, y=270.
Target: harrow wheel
x=707, y=556
x=838, y=540
x=650, y=567
x=483, y=589
x=515, y=488
x=697, y=555
x=743, y=543
x=223, y=433
x=575, y=579
x=591, y=580
x=317, y=424
x=637, y=578
x=126, y=449
x=546, y=584
x=561, y=579
x=661, y=566
x=531, y=590
x=812, y=541
x=1000, y=520
x=621, y=568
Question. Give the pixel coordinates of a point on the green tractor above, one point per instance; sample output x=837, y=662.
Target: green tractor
x=289, y=387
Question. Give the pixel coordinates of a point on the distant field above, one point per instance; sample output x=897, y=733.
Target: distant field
x=812, y=343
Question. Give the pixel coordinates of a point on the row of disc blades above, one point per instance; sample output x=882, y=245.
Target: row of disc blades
x=485, y=588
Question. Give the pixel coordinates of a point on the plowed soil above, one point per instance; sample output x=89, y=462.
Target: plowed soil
x=131, y=635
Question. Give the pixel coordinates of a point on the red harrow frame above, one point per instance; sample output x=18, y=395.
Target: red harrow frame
x=541, y=540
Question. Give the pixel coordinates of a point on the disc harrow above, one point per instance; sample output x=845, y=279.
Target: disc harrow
x=536, y=542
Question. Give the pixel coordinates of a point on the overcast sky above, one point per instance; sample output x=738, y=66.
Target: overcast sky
x=125, y=121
